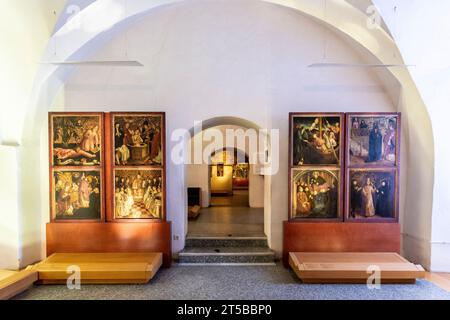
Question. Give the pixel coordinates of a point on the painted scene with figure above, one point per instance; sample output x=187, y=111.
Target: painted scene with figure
x=77, y=195
x=315, y=194
x=76, y=140
x=138, y=139
x=138, y=194
x=372, y=194
x=316, y=139
x=373, y=139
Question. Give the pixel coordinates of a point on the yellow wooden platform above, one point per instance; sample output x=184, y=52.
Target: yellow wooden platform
x=99, y=268
x=353, y=267
x=14, y=282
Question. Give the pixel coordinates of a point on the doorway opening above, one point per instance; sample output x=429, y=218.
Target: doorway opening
x=229, y=194
x=229, y=178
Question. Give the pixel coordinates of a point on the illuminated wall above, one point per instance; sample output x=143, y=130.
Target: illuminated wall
x=26, y=27
x=224, y=182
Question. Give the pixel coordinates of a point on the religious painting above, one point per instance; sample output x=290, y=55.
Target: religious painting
x=76, y=195
x=241, y=176
x=373, y=139
x=241, y=171
x=138, y=139
x=139, y=194
x=76, y=139
x=220, y=169
x=315, y=193
x=371, y=194
x=316, y=139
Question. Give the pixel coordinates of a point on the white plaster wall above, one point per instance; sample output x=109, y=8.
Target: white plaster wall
x=26, y=27
x=256, y=189
x=9, y=223
x=242, y=58
x=421, y=30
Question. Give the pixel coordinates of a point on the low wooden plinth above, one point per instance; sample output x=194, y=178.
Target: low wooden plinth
x=141, y=237
x=353, y=267
x=99, y=268
x=16, y=283
x=339, y=237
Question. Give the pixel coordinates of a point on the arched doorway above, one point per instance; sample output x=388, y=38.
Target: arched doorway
x=230, y=228
x=231, y=190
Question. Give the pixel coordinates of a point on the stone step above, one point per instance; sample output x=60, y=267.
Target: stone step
x=195, y=242
x=226, y=255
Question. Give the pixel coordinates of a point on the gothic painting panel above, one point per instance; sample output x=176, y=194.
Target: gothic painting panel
x=315, y=193
x=373, y=140
x=138, y=194
x=372, y=195
x=76, y=195
x=316, y=139
x=76, y=139
x=138, y=139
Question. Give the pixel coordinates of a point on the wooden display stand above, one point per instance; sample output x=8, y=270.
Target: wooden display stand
x=342, y=252
x=100, y=268
x=353, y=267
x=108, y=248
x=81, y=237
x=16, y=283
x=340, y=237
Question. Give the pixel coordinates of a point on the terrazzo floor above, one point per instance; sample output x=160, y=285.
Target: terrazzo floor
x=237, y=283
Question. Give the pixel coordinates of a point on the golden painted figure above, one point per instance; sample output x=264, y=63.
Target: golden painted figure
x=315, y=194
x=76, y=195
x=316, y=140
x=76, y=140
x=138, y=139
x=372, y=194
x=368, y=207
x=138, y=194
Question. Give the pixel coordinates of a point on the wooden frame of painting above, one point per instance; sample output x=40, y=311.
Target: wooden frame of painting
x=315, y=194
x=372, y=167
x=318, y=140
x=373, y=140
x=316, y=151
x=137, y=143
x=77, y=195
x=139, y=195
x=76, y=145
x=372, y=195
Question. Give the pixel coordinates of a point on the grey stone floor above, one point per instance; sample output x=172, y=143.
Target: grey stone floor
x=223, y=221
x=238, y=199
x=239, y=283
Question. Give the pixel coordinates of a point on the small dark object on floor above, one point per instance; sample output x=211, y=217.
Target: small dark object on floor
x=194, y=212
